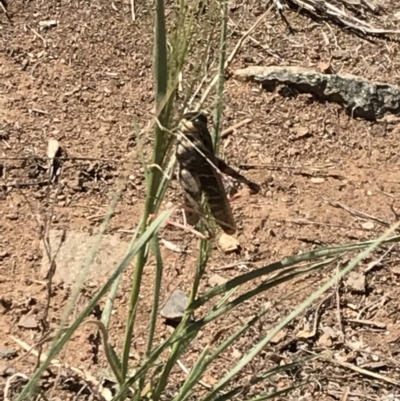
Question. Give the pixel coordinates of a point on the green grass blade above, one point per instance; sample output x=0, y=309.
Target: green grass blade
x=160, y=59
x=202, y=364
x=257, y=348
x=179, y=347
x=275, y=281
x=221, y=77
x=108, y=308
x=265, y=376
x=184, y=332
x=194, y=376
x=178, y=335
x=156, y=296
x=156, y=300
x=284, y=263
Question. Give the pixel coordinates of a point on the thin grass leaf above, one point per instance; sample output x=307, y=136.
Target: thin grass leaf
x=225, y=298
x=200, y=367
x=198, y=371
x=221, y=77
x=156, y=296
x=31, y=385
x=108, y=307
x=182, y=332
x=258, y=347
x=284, y=263
x=156, y=300
x=194, y=376
x=177, y=350
x=275, y=281
x=265, y=376
x=111, y=356
x=180, y=346
x=159, y=150
x=91, y=256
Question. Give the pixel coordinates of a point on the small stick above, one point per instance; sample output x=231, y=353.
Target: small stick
x=187, y=371
x=38, y=35
x=377, y=262
x=90, y=159
x=373, y=305
x=83, y=374
x=183, y=227
x=365, y=372
x=230, y=266
x=374, y=323
x=345, y=394
x=338, y=310
x=23, y=184
x=44, y=112
x=277, y=166
x=234, y=127
x=357, y=213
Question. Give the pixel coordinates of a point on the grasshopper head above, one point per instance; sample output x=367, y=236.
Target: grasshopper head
x=193, y=122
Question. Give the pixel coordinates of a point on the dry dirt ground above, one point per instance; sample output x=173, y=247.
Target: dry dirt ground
x=82, y=81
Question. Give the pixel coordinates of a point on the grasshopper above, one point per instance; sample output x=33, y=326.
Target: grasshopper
x=199, y=172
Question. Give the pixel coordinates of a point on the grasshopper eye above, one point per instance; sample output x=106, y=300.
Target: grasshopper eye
x=201, y=119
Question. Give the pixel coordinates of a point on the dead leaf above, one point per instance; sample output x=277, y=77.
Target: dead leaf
x=325, y=67
x=368, y=225
x=301, y=132
x=52, y=148
x=212, y=381
x=330, y=332
x=28, y=322
x=305, y=334
x=325, y=340
x=236, y=354
x=227, y=243
x=317, y=180
x=216, y=279
x=171, y=246
x=279, y=337
x=396, y=270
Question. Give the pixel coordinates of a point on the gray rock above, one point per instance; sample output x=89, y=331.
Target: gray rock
x=71, y=256
x=8, y=353
x=360, y=98
x=175, y=306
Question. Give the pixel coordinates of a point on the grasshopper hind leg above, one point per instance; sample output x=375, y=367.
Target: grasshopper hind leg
x=192, y=217
x=191, y=186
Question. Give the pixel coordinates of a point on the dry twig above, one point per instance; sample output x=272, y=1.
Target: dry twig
x=236, y=126
x=341, y=13
x=365, y=372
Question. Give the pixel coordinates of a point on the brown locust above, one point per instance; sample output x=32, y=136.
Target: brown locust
x=199, y=172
